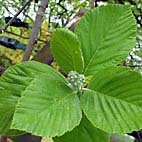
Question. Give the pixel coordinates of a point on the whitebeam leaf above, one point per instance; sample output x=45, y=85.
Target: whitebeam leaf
x=114, y=101
x=48, y=107
x=107, y=34
x=13, y=83
x=18, y=77
x=65, y=47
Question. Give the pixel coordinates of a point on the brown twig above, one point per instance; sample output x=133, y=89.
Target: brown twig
x=24, y=37
x=5, y=6
x=35, y=30
x=92, y=5
x=72, y=23
x=12, y=19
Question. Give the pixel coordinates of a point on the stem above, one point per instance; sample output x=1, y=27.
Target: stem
x=35, y=30
x=92, y=5
x=23, y=36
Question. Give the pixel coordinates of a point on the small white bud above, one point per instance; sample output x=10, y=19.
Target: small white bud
x=76, y=80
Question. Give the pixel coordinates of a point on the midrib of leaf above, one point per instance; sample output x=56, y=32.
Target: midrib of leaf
x=101, y=41
x=72, y=57
x=73, y=63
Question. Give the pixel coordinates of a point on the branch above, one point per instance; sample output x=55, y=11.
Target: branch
x=12, y=19
x=27, y=16
x=44, y=55
x=35, y=30
x=92, y=4
x=72, y=24
x=59, y=3
x=24, y=37
x=5, y=6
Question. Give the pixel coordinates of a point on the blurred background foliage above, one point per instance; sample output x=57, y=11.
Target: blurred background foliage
x=58, y=14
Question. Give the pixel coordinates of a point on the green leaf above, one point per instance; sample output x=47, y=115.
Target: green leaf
x=8, y=101
x=85, y=132
x=48, y=107
x=12, y=83
x=107, y=34
x=115, y=105
x=65, y=47
x=18, y=77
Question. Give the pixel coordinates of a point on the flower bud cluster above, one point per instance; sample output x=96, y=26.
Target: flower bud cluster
x=133, y=60
x=76, y=80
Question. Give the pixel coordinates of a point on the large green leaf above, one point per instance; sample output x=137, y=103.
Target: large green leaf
x=107, y=34
x=18, y=77
x=48, y=107
x=85, y=132
x=65, y=47
x=13, y=82
x=115, y=105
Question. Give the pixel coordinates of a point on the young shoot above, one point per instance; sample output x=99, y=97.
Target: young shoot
x=76, y=80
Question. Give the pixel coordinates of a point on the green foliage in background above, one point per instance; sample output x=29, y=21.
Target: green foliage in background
x=58, y=14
